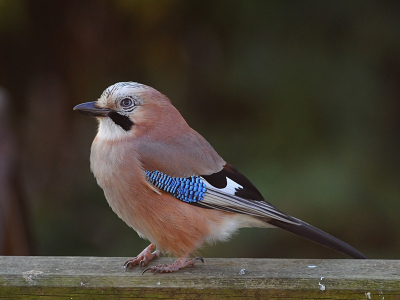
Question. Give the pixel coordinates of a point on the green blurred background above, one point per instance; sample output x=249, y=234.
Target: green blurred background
x=301, y=96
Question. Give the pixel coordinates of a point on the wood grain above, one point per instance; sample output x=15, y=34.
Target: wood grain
x=101, y=278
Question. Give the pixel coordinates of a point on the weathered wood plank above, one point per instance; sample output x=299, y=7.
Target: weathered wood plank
x=100, y=278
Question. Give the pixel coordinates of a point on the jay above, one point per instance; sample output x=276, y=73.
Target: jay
x=168, y=183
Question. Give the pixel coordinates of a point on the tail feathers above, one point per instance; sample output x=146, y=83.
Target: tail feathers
x=318, y=236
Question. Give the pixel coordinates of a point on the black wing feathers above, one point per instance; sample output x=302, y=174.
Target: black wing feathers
x=219, y=181
x=249, y=193
x=318, y=236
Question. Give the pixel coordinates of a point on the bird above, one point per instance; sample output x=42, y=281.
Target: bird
x=164, y=180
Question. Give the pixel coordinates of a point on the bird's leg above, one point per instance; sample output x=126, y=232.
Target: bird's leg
x=143, y=258
x=181, y=263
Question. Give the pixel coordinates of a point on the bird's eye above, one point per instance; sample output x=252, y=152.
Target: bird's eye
x=126, y=102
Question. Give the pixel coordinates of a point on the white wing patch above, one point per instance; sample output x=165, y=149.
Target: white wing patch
x=225, y=199
x=231, y=187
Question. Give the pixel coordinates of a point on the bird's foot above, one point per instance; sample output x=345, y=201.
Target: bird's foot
x=143, y=258
x=177, y=265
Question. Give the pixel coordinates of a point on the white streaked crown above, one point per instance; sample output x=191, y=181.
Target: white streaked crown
x=110, y=98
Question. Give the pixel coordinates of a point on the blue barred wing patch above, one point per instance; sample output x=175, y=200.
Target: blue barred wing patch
x=191, y=189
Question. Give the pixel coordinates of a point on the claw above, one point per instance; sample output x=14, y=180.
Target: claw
x=143, y=258
x=127, y=265
x=145, y=270
x=199, y=258
x=177, y=265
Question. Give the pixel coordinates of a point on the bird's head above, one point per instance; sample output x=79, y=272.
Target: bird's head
x=128, y=109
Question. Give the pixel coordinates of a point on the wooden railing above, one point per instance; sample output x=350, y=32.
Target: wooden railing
x=104, y=278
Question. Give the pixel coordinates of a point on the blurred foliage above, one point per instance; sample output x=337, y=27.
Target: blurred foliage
x=301, y=96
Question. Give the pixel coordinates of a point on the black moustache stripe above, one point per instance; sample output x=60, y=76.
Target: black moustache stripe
x=123, y=121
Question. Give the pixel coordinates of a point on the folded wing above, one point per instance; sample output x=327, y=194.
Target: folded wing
x=228, y=190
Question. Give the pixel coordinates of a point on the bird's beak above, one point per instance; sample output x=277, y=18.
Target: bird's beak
x=90, y=109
